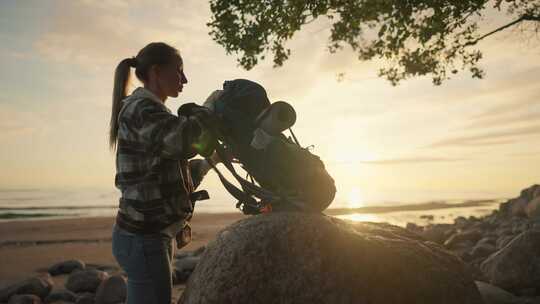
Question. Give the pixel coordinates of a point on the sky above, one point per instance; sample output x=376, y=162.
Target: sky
x=467, y=138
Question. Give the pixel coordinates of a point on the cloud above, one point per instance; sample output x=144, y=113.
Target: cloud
x=507, y=114
x=404, y=160
x=17, y=55
x=17, y=129
x=488, y=138
x=94, y=34
x=408, y=160
x=14, y=123
x=524, y=154
x=522, y=111
x=489, y=143
x=526, y=103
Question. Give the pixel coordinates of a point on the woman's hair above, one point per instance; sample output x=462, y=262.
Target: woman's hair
x=154, y=53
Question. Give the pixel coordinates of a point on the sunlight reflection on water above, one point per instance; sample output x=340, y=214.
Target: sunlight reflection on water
x=421, y=217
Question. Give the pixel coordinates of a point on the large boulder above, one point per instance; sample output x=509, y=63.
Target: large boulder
x=517, y=265
x=313, y=258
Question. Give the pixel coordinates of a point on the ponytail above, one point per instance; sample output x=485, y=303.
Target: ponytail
x=153, y=53
x=121, y=81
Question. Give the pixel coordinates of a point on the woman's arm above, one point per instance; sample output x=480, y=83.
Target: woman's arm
x=151, y=124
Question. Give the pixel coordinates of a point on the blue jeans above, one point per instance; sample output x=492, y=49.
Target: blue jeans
x=146, y=259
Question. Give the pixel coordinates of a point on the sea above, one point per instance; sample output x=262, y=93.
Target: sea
x=38, y=204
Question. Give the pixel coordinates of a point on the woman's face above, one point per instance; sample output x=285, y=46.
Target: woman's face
x=172, y=78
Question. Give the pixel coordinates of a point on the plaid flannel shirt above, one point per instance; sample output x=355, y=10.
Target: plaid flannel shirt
x=152, y=168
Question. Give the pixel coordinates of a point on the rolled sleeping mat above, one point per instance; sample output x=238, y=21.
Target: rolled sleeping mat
x=278, y=117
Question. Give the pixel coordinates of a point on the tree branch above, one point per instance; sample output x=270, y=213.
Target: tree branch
x=531, y=18
x=496, y=30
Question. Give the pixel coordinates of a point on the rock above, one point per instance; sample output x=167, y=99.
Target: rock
x=473, y=218
x=66, y=267
x=112, y=290
x=184, y=267
x=504, y=240
x=312, y=258
x=475, y=271
x=85, y=298
x=533, y=208
x=485, y=226
x=199, y=251
x=40, y=286
x=85, y=280
x=495, y=295
x=437, y=233
x=461, y=222
x=107, y=268
x=517, y=265
x=462, y=237
x=535, y=224
x=487, y=240
x=531, y=300
x=520, y=227
x=527, y=292
x=482, y=250
x=187, y=263
x=60, y=295
x=519, y=206
x=428, y=217
x=24, y=299
x=413, y=227
x=504, y=230
x=182, y=254
x=463, y=250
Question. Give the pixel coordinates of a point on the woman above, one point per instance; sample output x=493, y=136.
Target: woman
x=152, y=170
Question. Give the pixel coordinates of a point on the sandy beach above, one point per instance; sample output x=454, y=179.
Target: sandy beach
x=30, y=247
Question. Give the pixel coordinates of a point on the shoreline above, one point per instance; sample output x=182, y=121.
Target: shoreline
x=13, y=215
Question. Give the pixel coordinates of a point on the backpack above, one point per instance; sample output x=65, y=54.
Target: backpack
x=282, y=174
